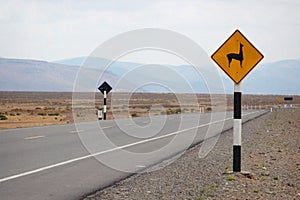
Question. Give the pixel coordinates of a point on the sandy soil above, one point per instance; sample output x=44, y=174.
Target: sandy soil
x=26, y=109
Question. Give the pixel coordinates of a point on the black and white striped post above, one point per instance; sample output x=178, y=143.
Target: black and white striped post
x=104, y=88
x=237, y=127
x=104, y=105
x=237, y=64
x=99, y=114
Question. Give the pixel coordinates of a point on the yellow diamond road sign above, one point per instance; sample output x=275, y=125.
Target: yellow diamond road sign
x=237, y=56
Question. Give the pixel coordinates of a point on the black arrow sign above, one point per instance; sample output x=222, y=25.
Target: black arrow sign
x=288, y=98
x=105, y=87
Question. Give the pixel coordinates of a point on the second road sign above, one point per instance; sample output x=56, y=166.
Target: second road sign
x=105, y=87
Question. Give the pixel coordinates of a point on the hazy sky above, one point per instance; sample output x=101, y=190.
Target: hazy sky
x=53, y=29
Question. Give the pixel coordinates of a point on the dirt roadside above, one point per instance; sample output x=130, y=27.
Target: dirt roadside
x=270, y=152
x=28, y=109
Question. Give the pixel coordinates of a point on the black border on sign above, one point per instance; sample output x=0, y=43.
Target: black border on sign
x=262, y=56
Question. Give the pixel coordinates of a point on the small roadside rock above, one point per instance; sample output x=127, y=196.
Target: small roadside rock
x=270, y=153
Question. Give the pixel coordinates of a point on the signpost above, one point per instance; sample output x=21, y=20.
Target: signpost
x=288, y=98
x=104, y=88
x=99, y=114
x=237, y=57
x=280, y=99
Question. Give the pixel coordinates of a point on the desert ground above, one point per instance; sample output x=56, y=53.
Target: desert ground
x=27, y=109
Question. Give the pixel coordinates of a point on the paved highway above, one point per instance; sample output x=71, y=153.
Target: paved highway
x=71, y=161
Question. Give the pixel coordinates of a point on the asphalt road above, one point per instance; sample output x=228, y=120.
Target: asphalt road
x=71, y=161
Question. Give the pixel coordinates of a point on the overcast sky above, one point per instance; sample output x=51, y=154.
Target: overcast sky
x=54, y=30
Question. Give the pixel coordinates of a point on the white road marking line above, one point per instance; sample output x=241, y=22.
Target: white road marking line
x=105, y=127
x=75, y=131
x=108, y=150
x=140, y=166
x=34, y=137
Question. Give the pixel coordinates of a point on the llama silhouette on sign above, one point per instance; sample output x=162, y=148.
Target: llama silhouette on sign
x=238, y=57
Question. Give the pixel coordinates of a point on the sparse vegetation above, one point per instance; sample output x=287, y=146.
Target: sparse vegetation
x=210, y=193
x=170, y=112
x=3, y=117
x=134, y=115
x=265, y=174
x=230, y=178
x=185, y=110
x=214, y=185
x=178, y=111
x=49, y=108
x=207, y=192
x=203, y=190
x=228, y=168
x=53, y=114
x=209, y=109
x=80, y=115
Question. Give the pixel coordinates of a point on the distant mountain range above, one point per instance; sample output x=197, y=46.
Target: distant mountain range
x=32, y=75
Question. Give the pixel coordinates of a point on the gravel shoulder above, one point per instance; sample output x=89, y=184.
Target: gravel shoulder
x=270, y=152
